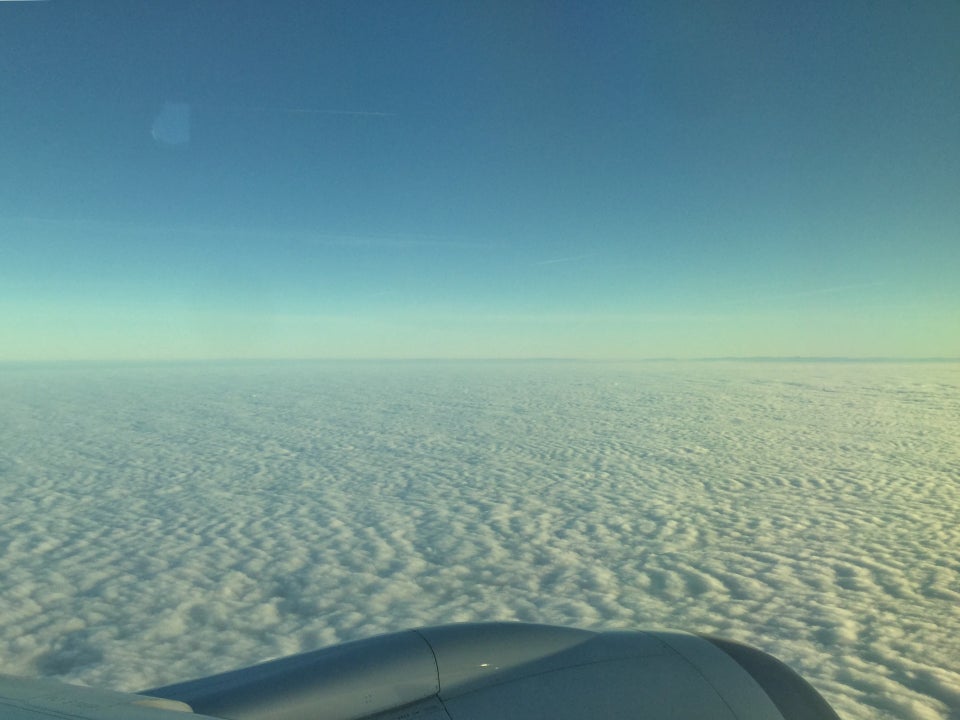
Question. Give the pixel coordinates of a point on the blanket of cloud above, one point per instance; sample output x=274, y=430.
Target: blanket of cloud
x=166, y=522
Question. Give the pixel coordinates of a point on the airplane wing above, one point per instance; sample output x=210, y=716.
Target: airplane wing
x=477, y=671
x=31, y=699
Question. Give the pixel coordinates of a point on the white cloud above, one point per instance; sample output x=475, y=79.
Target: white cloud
x=168, y=522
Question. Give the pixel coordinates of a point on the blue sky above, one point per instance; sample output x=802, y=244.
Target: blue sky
x=628, y=180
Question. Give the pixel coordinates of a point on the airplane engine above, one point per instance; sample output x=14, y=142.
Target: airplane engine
x=500, y=671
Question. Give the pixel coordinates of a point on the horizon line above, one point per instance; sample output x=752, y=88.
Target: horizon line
x=427, y=359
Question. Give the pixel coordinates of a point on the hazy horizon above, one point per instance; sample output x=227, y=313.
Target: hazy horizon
x=478, y=359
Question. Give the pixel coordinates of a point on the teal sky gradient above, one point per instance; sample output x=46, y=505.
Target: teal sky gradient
x=233, y=179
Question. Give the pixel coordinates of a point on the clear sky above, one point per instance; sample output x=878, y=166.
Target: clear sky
x=229, y=179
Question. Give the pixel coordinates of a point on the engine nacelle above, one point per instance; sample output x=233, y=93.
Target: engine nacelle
x=506, y=671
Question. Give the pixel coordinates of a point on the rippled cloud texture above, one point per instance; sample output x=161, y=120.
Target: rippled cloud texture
x=166, y=522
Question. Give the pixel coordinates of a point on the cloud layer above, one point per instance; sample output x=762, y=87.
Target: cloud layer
x=160, y=523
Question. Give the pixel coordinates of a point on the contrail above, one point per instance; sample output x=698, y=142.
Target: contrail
x=172, y=124
x=813, y=292
x=299, y=110
x=834, y=289
x=563, y=259
x=310, y=111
